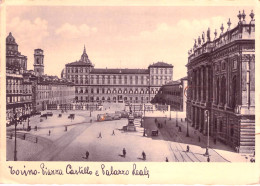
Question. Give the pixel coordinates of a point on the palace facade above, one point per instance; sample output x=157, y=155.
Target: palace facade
x=173, y=94
x=221, y=79
x=116, y=85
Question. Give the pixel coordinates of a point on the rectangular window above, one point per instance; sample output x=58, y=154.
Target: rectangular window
x=114, y=79
x=97, y=79
x=125, y=79
x=108, y=79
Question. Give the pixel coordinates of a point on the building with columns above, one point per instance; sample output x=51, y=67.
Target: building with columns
x=116, y=85
x=221, y=79
x=173, y=94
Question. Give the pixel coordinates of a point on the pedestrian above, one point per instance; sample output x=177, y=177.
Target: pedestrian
x=188, y=148
x=144, y=155
x=49, y=132
x=166, y=159
x=124, y=152
x=87, y=154
x=208, y=159
x=179, y=128
x=199, y=138
x=66, y=128
x=113, y=133
x=36, y=140
x=99, y=136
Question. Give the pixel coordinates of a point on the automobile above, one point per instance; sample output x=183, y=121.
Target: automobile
x=49, y=114
x=154, y=132
x=71, y=116
x=44, y=115
x=37, y=113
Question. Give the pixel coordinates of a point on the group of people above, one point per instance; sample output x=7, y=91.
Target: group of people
x=100, y=135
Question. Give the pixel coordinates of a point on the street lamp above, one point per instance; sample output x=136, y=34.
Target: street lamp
x=15, y=119
x=206, y=112
x=143, y=121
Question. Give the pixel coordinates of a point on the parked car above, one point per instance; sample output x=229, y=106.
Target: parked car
x=49, y=114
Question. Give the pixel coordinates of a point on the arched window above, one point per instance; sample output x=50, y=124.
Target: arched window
x=217, y=92
x=223, y=90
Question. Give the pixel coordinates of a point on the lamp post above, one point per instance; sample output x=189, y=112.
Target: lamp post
x=206, y=112
x=15, y=118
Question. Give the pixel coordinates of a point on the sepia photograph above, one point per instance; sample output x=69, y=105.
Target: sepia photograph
x=130, y=83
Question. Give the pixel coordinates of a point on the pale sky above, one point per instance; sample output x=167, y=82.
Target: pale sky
x=115, y=37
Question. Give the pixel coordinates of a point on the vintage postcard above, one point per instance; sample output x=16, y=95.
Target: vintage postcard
x=129, y=92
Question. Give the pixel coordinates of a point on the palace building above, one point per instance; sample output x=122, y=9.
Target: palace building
x=29, y=91
x=18, y=91
x=221, y=79
x=116, y=85
x=173, y=94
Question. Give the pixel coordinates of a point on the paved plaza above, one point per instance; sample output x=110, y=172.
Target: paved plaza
x=63, y=139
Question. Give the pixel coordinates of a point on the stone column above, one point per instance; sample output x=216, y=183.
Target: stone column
x=201, y=83
x=207, y=83
x=196, y=117
x=198, y=84
x=193, y=85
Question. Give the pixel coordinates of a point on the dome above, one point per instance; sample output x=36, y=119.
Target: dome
x=84, y=57
x=10, y=39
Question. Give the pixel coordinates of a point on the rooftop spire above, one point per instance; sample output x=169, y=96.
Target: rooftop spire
x=84, y=51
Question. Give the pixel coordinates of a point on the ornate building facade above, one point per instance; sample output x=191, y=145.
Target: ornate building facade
x=221, y=79
x=116, y=85
x=28, y=91
x=173, y=94
x=18, y=91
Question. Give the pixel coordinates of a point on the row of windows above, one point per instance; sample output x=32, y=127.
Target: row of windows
x=161, y=70
x=173, y=93
x=131, y=82
x=86, y=69
x=115, y=92
x=15, y=99
x=108, y=98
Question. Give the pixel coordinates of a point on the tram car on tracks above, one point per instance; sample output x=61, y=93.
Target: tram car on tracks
x=108, y=117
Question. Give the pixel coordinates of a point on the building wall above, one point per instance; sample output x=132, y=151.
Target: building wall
x=221, y=79
x=173, y=94
x=137, y=87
